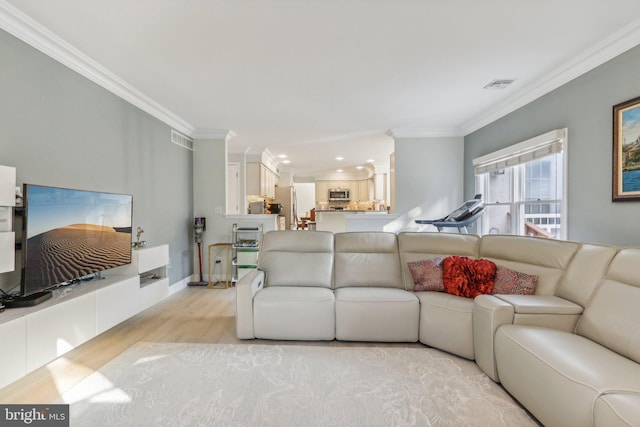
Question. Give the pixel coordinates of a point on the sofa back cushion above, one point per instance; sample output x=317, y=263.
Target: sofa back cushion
x=415, y=246
x=548, y=259
x=367, y=259
x=612, y=317
x=297, y=258
x=585, y=272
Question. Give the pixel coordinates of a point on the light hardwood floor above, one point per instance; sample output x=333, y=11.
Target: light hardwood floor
x=195, y=315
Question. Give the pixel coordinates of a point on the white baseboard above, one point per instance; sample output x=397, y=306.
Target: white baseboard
x=178, y=286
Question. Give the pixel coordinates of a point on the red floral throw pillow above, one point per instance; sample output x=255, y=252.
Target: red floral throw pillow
x=468, y=277
x=427, y=275
x=514, y=282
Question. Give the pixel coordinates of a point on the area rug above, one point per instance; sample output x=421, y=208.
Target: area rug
x=170, y=384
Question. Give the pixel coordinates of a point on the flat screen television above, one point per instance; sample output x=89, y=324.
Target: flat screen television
x=71, y=234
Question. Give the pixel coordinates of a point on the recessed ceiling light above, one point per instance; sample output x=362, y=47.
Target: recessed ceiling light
x=359, y=167
x=339, y=158
x=339, y=170
x=286, y=162
x=370, y=161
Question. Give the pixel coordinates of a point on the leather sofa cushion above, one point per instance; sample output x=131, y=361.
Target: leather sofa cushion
x=585, y=273
x=446, y=322
x=529, y=250
x=294, y=313
x=376, y=314
x=545, y=258
x=438, y=244
x=289, y=260
x=624, y=267
x=368, y=259
x=612, y=316
x=558, y=375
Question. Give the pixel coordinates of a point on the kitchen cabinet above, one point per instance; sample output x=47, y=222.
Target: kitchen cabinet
x=268, y=182
x=365, y=190
x=322, y=189
x=260, y=180
x=360, y=190
x=353, y=190
x=340, y=184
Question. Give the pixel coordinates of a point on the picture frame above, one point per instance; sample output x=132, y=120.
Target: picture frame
x=626, y=151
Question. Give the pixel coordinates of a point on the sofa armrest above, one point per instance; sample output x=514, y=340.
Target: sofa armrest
x=246, y=288
x=544, y=310
x=489, y=313
x=540, y=304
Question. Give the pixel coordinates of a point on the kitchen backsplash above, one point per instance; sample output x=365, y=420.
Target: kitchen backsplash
x=338, y=204
x=361, y=206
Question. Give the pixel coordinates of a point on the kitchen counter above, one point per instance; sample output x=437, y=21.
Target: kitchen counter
x=338, y=221
x=351, y=211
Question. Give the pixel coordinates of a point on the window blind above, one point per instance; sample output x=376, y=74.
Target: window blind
x=526, y=151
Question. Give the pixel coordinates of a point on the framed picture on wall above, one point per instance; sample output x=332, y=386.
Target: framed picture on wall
x=626, y=151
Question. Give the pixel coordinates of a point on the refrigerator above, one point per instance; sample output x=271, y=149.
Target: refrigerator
x=287, y=197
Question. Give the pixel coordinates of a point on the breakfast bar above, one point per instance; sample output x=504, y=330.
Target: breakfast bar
x=338, y=221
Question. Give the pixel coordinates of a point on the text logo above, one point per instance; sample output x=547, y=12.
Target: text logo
x=34, y=415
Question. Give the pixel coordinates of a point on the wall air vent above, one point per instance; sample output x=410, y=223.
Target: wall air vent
x=499, y=84
x=181, y=140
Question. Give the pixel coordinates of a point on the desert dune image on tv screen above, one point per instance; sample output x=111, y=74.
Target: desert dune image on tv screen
x=73, y=233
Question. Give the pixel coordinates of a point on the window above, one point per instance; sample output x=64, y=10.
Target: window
x=523, y=187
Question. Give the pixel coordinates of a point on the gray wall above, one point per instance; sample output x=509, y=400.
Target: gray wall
x=584, y=106
x=428, y=178
x=209, y=178
x=59, y=129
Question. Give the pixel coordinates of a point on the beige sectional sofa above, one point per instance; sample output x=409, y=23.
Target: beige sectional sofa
x=570, y=353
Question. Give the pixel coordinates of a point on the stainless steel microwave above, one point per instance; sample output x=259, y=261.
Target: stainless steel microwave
x=337, y=194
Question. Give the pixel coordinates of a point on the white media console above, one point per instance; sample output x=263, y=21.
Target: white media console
x=33, y=336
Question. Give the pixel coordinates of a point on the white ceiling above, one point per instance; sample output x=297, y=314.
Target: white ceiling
x=314, y=79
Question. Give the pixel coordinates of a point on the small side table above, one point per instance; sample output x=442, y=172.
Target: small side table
x=219, y=248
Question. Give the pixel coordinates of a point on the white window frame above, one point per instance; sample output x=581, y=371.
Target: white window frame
x=552, y=142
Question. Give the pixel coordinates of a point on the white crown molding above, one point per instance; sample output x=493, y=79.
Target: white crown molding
x=424, y=133
x=225, y=134
x=31, y=32
x=614, y=45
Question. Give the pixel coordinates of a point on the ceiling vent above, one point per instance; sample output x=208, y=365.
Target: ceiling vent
x=181, y=140
x=499, y=84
